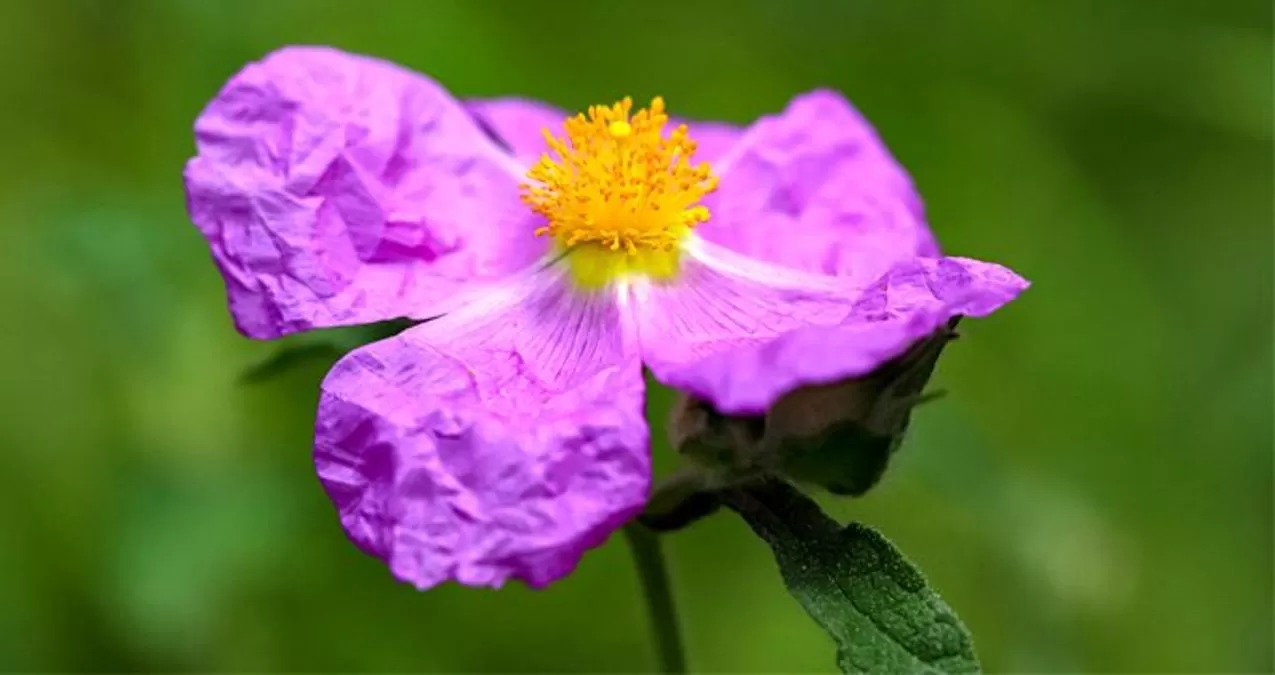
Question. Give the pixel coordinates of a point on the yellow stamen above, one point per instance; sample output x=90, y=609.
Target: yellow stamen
x=621, y=195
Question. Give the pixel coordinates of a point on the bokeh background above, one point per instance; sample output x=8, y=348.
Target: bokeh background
x=1095, y=494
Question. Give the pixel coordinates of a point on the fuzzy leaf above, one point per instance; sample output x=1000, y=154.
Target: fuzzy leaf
x=857, y=586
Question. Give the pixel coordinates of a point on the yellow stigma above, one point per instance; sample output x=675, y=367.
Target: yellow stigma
x=620, y=195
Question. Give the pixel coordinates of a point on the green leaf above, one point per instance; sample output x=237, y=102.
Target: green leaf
x=857, y=586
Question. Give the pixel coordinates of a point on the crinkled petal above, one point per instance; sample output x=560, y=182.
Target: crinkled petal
x=519, y=124
x=815, y=189
x=740, y=333
x=498, y=442
x=339, y=189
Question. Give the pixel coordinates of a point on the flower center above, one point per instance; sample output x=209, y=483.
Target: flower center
x=621, y=195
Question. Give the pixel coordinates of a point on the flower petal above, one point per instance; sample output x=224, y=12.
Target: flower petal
x=815, y=189
x=740, y=333
x=338, y=189
x=519, y=124
x=499, y=442
x=712, y=139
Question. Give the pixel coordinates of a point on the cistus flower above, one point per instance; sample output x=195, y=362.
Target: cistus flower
x=505, y=435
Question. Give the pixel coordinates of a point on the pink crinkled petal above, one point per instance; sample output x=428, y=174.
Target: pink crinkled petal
x=740, y=334
x=339, y=189
x=815, y=189
x=519, y=124
x=498, y=442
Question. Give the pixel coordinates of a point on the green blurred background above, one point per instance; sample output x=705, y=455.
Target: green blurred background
x=1094, y=495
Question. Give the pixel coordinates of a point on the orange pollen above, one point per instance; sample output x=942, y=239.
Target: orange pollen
x=619, y=182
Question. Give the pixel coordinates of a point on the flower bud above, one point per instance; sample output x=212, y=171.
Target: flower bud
x=839, y=436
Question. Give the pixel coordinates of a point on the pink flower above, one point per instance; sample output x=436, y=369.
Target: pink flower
x=506, y=435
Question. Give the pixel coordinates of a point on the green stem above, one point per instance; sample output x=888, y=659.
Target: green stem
x=659, y=597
